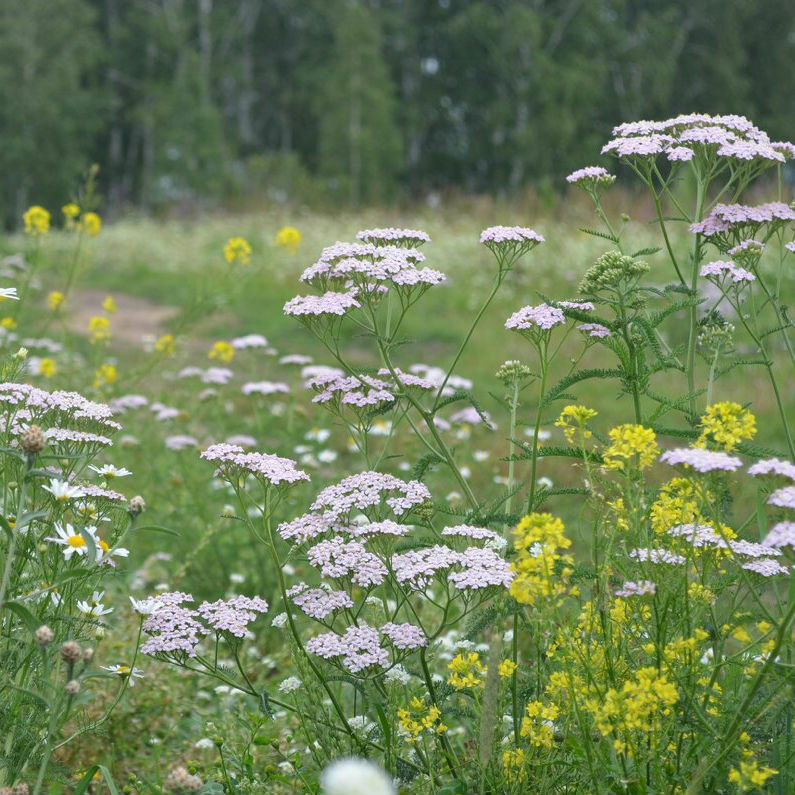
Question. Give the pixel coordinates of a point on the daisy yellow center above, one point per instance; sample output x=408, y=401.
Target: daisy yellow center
x=123, y=669
x=103, y=546
x=76, y=541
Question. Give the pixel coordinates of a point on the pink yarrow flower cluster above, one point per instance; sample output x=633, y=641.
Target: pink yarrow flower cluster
x=639, y=588
x=701, y=460
x=397, y=237
x=590, y=176
x=272, y=468
x=724, y=269
x=543, y=317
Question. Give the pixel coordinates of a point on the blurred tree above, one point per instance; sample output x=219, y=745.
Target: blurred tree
x=51, y=103
x=359, y=145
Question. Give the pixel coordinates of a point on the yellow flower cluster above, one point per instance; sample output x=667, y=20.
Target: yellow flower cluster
x=750, y=775
x=47, y=367
x=222, y=351
x=99, y=329
x=506, y=668
x=36, y=220
x=8, y=323
x=466, y=671
x=237, y=249
x=632, y=445
x=90, y=223
x=639, y=706
x=574, y=422
x=726, y=425
x=537, y=724
x=70, y=211
x=513, y=762
x=55, y=300
x=677, y=503
x=420, y=718
x=165, y=345
x=105, y=374
x=541, y=570
x=288, y=237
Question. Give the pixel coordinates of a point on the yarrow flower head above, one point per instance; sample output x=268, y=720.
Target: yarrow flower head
x=611, y=271
x=406, y=238
x=272, y=469
x=722, y=271
x=535, y=319
x=701, y=460
x=510, y=243
x=591, y=178
x=639, y=588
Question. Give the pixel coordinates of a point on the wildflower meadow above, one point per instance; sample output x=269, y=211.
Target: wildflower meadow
x=455, y=509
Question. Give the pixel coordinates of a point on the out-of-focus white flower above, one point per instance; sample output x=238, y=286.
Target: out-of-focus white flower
x=62, y=491
x=354, y=776
x=109, y=471
x=94, y=606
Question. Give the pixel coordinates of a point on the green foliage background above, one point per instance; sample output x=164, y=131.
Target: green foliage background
x=212, y=101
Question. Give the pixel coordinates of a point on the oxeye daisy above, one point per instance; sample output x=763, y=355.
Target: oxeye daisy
x=125, y=671
x=94, y=606
x=72, y=540
x=63, y=491
x=146, y=607
x=109, y=471
x=105, y=554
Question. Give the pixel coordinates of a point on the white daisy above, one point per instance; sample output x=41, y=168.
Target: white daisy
x=72, y=540
x=94, y=606
x=62, y=490
x=109, y=471
x=146, y=607
x=9, y=292
x=125, y=670
x=318, y=435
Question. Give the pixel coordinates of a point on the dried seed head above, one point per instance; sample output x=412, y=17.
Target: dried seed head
x=72, y=687
x=33, y=440
x=137, y=505
x=88, y=654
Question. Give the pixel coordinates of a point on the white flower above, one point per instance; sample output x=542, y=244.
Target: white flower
x=318, y=435
x=71, y=540
x=545, y=483
x=125, y=670
x=94, y=606
x=381, y=427
x=237, y=579
x=109, y=471
x=62, y=491
x=481, y=455
x=353, y=776
x=146, y=607
x=279, y=621
x=9, y=292
x=327, y=456
x=204, y=744
x=398, y=674
x=290, y=684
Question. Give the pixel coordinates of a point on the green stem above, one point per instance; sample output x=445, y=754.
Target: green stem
x=693, y=311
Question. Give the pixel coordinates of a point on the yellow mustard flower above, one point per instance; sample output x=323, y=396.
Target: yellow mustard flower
x=513, y=764
x=91, y=223
x=237, y=249
x=109, y=305
x=222, y=351
x=105, y=374
x=166, y=345
x=420, y=718
x=99, y=329
x=36, y=220
x=507, y=667
x=8, y=323
x=466, y=671
x=70, y=213
x=541, y=570
x=537, y=724
x=726, y=425
x=632, y=445
x=574, y=420
x=750, y=776
x=288, y=237
x=47, y=367
x=55, y=299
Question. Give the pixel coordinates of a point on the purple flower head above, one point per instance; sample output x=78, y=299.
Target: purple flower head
x=408, y=238
x=319, y=603
x=657, y=556
x=773, y=466
x=701, y=460
x=721, y=269
x=404, y=636
x=232, y=616
x=340, y=559
x=767, y=567
x=781, y=535
x=417, y=568
x=543, y=317
x=480, y=567
x=329, y=303
x=360, y=648
x=783, y=498
x=596, y=330
x=273, y=469
x=590, y=177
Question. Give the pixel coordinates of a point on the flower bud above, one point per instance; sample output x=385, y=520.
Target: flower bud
x=137, y=505
x=88, y=655
x=44, y=635
x=71, y=652
x=72, y=687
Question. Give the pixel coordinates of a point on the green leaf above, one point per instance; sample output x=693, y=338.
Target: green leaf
x=85, y=782
x=646, y=252
x=580, y=375
x=157, y=528
x=28, y=619
x=91, y=544
x=603, y=235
